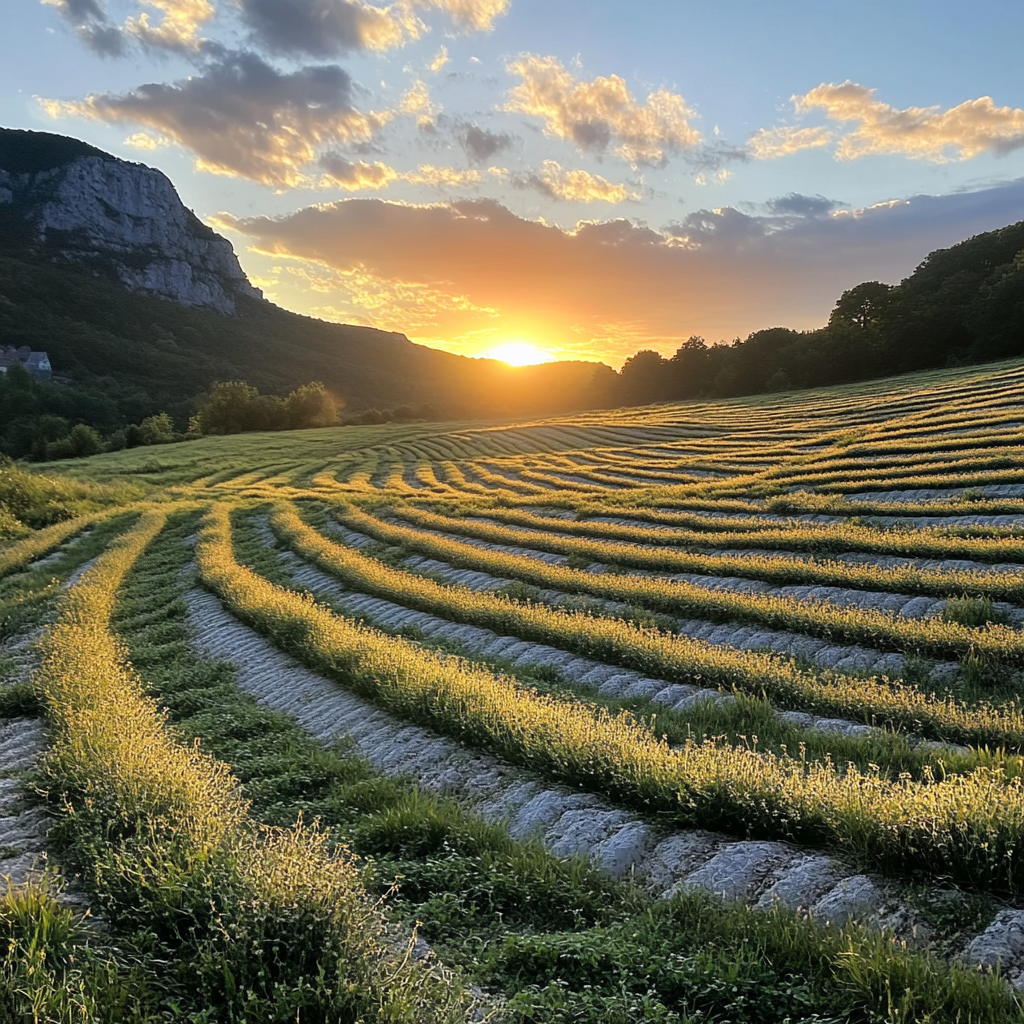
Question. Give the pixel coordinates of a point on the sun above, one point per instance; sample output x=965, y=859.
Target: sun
x=518, y=353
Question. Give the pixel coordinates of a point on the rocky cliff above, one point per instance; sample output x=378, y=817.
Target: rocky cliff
x=74, y=203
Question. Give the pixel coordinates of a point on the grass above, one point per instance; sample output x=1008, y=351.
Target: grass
x=185, y=849
x=553, y=937
x=877, y=629
x=747, y=716
x=248, y=919
x=662, y=655
x=936, y=824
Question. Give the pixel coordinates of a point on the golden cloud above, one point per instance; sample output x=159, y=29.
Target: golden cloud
x=960, y=132
x=442, y=177
x=416, y=102
x=179, y=27
x=140, y=140
x=242, y=117
x=362, y=176
x=602, y=113
x=770, y=143
x=440, y=60
x=470, y=15
x=355, y=176
x=603, y=287
x=577, y=186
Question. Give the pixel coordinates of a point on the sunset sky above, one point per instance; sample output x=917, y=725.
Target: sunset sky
x=572, y=178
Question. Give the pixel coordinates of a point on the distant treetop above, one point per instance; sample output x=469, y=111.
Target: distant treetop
x=25, y=152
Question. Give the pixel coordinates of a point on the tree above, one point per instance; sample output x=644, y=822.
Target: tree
x=863, y=307
x=644, y=378
x=157, y=429
x=230, y=409
x=310, y=406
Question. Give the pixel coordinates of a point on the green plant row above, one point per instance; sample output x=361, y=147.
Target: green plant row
x=889, y=751
x=42, y=542
x=545, y=933
x=878, y=629
x=254, y=922
x=663, y=655
x=992, y=544
x=965, y=827
x=830, y=465
x=543, y=535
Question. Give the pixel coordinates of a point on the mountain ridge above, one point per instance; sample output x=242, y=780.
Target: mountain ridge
x=124, y=219
x=137, y=322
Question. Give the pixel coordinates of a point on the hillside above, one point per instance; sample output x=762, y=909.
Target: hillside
x=141, y=306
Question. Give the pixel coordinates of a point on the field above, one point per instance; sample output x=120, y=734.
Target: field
x=683, y=713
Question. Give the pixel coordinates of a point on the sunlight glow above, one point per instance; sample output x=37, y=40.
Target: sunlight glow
x=518, y=353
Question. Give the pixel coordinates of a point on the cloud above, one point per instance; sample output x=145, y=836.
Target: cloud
x=141, y=140
x=324, y=28
x=577, y=186
x=354, y=177
x=440, y=60
x=803, y=206
x=360, y=175
x=481, y=144
x=416, y=101
x=785, y=140
x=615, y=285
x=470, y=15
x=441, y=177
x=179, y=27
x=242, y=117
x=92, y=25
x=601, y=114
x=928, y=133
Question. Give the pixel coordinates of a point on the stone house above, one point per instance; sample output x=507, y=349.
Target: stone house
x=37, y=363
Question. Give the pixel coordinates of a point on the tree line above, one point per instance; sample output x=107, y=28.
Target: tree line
x=962, y=305
x=37, y=418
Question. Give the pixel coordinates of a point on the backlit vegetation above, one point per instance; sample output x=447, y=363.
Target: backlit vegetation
x=854, y=556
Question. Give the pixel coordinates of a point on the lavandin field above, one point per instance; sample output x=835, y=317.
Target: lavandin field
x=703, y=712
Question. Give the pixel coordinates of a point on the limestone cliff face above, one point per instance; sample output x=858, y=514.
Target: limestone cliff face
x=123, y=218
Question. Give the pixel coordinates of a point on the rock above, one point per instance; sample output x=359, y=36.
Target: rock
x=737, y=868
x=853, y=898
x=1002, y=942
x=126, y=219
x=802, y=883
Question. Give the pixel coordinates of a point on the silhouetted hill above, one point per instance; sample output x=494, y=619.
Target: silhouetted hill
x=91, y=249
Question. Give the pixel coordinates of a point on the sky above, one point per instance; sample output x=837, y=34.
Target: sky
x=549, y=179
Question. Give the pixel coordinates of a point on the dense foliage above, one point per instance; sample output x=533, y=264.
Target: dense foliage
x=122, y=356
x=964, y=304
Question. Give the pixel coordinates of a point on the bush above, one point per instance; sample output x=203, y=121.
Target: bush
x=157, y=430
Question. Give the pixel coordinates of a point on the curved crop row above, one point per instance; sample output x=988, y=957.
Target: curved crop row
x=797, y=536
x=932, y=637
x=967, y=827
x=42, y=542
x=663, y=655
x=906, y=579
x=266, y=921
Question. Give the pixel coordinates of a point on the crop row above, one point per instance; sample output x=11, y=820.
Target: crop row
x=964, y=827
x=880, y=629
x=663, y=655
x=795, y=537
x=42, y=542
x=859, y=575
x=256, y=918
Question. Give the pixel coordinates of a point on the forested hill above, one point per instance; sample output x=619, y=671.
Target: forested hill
x=141, y=307
x=962, y=305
